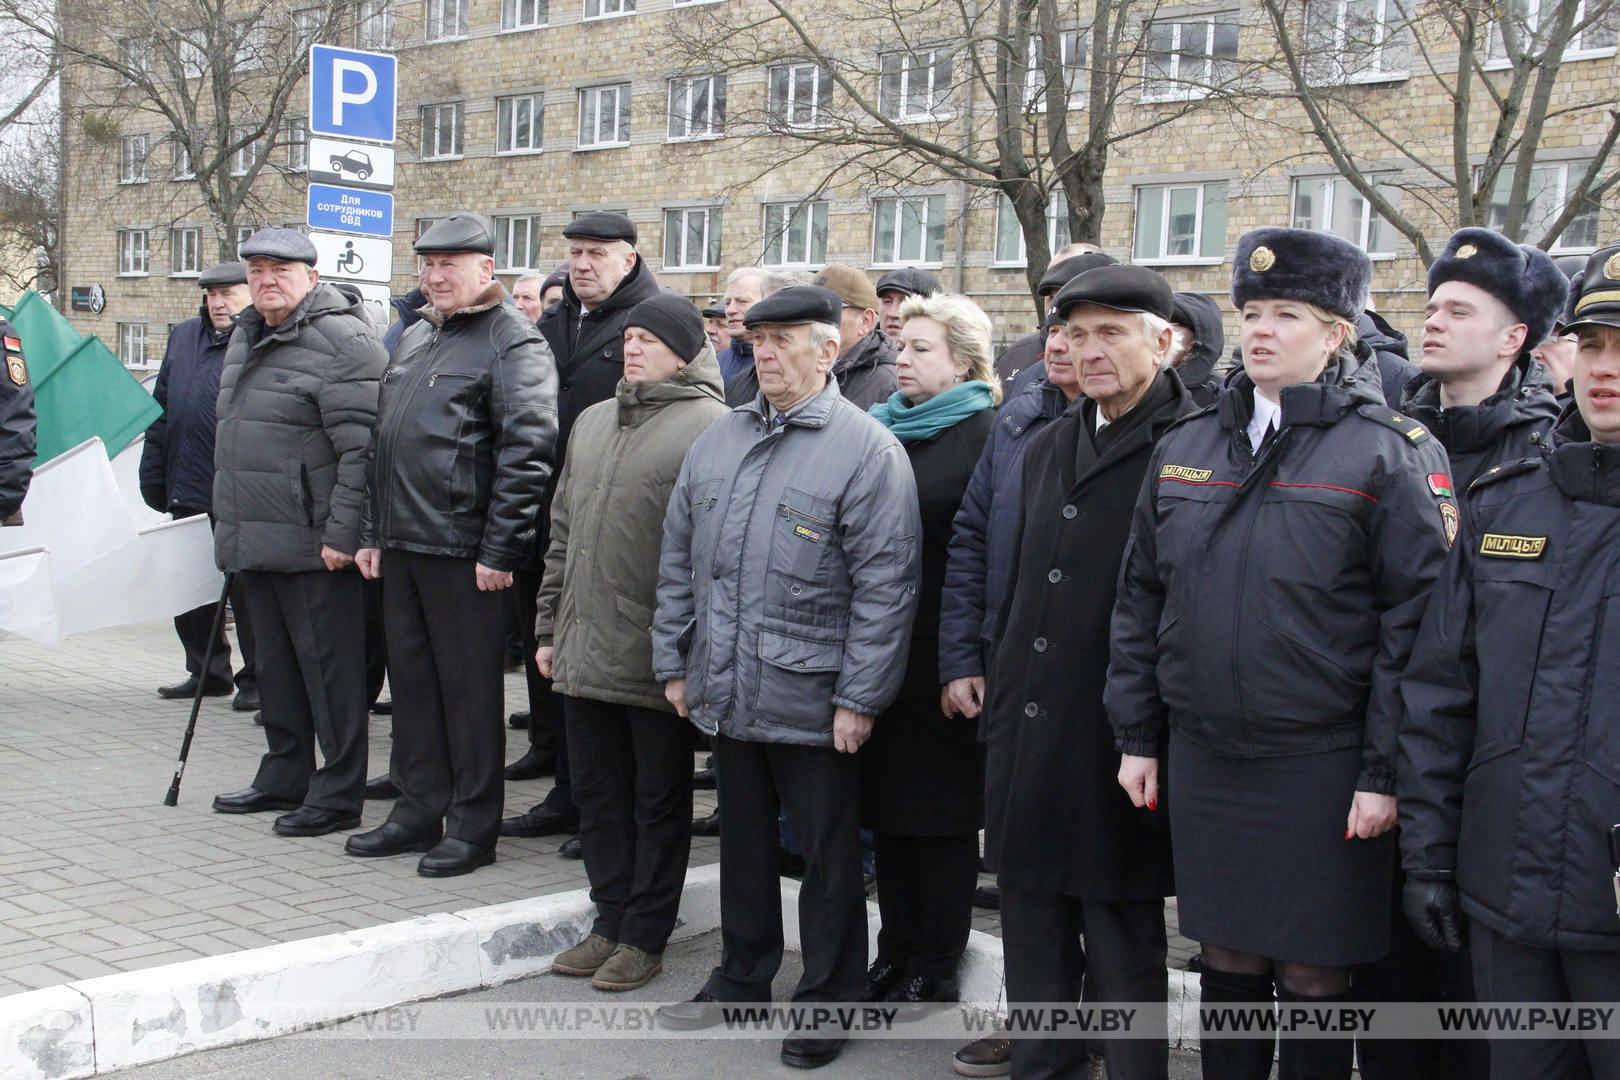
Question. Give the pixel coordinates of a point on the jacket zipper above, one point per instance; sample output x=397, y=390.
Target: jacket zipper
x=1255, y=464
x=742, y=561
x=385, y=448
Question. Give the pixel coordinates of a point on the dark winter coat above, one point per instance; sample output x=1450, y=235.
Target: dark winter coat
x=735, y=359
x=466, y=429
x=1507, y=426
x=1395, y=368
x=17, y=424
x=1268, y=601
x=1056, y=819
x=1203, y=316
x=177, y=460
x=1020, y=356
x=866, y=374
x=743, y=387
x=985, y=534
x=920, y=771
x=1510, y=753
x=296, y=407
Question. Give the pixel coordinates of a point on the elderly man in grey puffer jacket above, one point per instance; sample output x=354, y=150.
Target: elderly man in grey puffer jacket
x=297, y=401
x=787, y=587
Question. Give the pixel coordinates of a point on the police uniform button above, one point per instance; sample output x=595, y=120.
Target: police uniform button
x=565, y=386
x=1040, y=644
x=1054, y=576
x=795, y=590
x=1032, y=710
x=1070, y=512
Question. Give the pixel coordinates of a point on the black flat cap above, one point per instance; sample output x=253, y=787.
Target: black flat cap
x=908, y=280
x=282, y=245
x=714, y=311
x=1524, y=278
x=1122, y=288
x=674, y=321
x=1598, y=299
x=1064, y=271
x=1301, y=264
x=556, y=279
x=459, y=232
x=601, y=225
x=221, y=275
x=796, y=304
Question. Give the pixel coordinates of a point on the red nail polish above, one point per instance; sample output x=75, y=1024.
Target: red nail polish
x=1153, y=804
x=1348, y=834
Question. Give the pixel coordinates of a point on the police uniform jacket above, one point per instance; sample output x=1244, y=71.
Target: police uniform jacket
x=466, y=426
x=17, y=430
x=1268, y=600
x=1507, y=426
x=177, y=459
x=787, y=582
x=1510, y=753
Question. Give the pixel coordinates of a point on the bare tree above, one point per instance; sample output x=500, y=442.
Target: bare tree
x=30, y=213
x=1498, y=67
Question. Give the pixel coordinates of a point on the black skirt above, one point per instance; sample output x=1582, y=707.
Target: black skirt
x=1262, y=865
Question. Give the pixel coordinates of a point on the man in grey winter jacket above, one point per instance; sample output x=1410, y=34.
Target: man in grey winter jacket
x=787, y=587
x=297, y=400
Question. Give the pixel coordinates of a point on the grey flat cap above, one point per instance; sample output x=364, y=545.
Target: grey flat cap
x=223, y=274
x=601, y=225
x=283, y=245
x=459, y=232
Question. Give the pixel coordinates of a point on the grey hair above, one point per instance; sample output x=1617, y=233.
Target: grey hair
x=777, y=280
x=529, y=275
x=1181, y=343
x=747, y=272
x=821, y=333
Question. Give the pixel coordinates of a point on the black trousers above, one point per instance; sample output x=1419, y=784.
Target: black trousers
x=820, y=789
x=1123, y=959
x=192, y=628
x=547, y=729
x=446, y=650
x=925, y=894
x=376, y=642
x=1505, y=971
x=311, y=684
x=633, y=779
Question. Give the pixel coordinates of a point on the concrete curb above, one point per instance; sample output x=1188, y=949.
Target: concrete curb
x=96, y=1026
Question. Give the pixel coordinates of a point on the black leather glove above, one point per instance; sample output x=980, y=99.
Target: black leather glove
x=1432, y=909
x=155, y=497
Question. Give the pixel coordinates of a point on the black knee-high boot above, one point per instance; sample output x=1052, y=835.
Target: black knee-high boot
x=1313, y=1059
x=1231, y=1058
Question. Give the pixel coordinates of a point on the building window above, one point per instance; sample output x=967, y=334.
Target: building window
x=517, y=242
x=604, y=115
x=1180, y=222
x=1189, y=57
x=374, y=24
x=252, y=45
x=132, y=344
x=596, y=9
x=517, y=123
x=1332, y=204
x=1010, y=249
x=1071, y=69
x=692, y=238
x=297, y=132
x=133, y=254
x=799, y=95
x=795, y=234
x=914, y=85
x=524, y=14
x=132, y=160
x=1355, y=40
x=180, y=158
x=185, y=251
x=441, y=131
x=697, y=106
x=135, y=56
x=1549, y=194
x=1520, y=35
x=909, y=229
x=445, y=19
x=192, y=52
x=242, y=234
x=245, y=156
x=306, y=26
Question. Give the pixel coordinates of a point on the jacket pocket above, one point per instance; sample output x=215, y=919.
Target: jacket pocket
x=1297, y=684
x=303, y=497
x=634, y=636
x=797, y=677
x=1510, y=612
x=802, y=536
x=1600, y=744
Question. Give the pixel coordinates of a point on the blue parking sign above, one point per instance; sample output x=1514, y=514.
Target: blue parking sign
x=352, y=93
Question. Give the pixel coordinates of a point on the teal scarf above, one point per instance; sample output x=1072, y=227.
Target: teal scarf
x=915, y=423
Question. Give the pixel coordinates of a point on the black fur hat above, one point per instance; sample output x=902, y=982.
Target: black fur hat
x=1301, y=264
x=1524, y=278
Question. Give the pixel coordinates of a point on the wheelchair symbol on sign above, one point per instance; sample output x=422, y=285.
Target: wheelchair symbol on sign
x=350, y=261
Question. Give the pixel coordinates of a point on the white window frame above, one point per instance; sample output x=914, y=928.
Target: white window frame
x=133, y=153
x=525, y=14
x=676, y=222
x=1180, y=85
x=508, y=230
x=925, y=209
x=1532, y=231
x=607, y=9
x=442, y=146
x=180, y=163
x=1007, y=227
x=242, y=234
x=244, y=157
x=519, y=124
x=444, y=20
x=306, y=25
x=374, y=24
x=684, y=125
x=132, y=344
x=905, y=68
x=134, y=252
x=185, y=251
x=799, y=218
x=781, y=108
x=1159, y=256
x=591, y=100
x=135, y=53
x=297, y=131
x=1575, y=49
x=1364, y=228
x=191, y=50
x=1329, y=60
x=1072, y=67
x=252, y=45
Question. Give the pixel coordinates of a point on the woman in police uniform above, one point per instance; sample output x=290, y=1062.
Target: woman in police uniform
x=1278, y=562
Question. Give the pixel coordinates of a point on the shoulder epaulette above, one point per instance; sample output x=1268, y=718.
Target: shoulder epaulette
x=1414, y=432
x=1501, y=472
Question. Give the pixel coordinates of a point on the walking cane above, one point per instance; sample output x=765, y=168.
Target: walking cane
x=214, y=633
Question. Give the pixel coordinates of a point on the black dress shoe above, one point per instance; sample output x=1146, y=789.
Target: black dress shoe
x=389, y=838
x=707, y=826
x=253, y=801
x=541, y=821
x=382, y=787
x=519, y=720
x=882, y=977
x=258, y=718
x=702, y=1011
x=451, y=858
x=314, y=821
x=922, y=990
x=987, y=897
x=382, y=708
x=246, y=700
x=703, y=780
x=188, y=689
x=811, y=1053
x=532, y=765
x=572, y=848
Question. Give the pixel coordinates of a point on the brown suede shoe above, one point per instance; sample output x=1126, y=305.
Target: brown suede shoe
x=990, y=1056
x=583, y=959
x=627, y=969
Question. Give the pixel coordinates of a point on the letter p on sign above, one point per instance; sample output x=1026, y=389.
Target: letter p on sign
x=352, y=93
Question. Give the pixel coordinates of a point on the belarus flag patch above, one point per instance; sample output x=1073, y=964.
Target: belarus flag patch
x=1440, y=484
